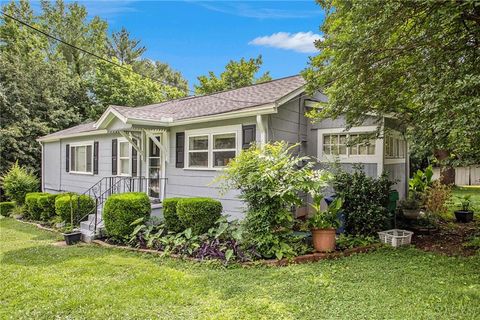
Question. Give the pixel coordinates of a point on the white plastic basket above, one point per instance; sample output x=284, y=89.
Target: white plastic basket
x=396, y=237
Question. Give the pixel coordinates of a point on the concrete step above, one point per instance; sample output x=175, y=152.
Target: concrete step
x=91, y=217
x=90, y=226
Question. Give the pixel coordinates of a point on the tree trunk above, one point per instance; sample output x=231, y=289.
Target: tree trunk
x=447, y=172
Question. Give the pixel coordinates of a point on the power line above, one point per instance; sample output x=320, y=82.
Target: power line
x=112, y=62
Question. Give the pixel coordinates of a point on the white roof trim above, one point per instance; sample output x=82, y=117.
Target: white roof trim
x=72, y=135
x=108, y=116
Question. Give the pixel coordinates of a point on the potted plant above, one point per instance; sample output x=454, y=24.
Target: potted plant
x=70, y=234
x=410, y=207
x=323, y=225
x=464, y=215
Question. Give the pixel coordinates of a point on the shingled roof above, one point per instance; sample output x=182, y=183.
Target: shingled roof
x=199, y=106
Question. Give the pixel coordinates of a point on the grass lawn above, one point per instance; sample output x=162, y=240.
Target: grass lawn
x=42, y=281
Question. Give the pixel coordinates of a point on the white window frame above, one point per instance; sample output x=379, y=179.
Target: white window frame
x=210, y=132
x=76, y=145
x=120, y=158
x=399, y=146
x=348, y=158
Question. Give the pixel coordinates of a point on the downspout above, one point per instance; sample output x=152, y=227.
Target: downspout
x=42, y=168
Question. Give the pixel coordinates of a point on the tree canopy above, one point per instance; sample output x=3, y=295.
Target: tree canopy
x=125, y=49
x=237, y=74
x=416, y=60
x=46, y=85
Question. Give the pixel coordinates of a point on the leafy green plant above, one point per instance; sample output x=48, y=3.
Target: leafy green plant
x=473, y=242
x=269, y=178
x=326, y=219
x=465, y=202
x=351, y=241
x=19, y=181
x=6, y=208
x=421, y=180
x=410, y=203
x=365, y=201
x=121, y=210
x=199, y=214
x=73, y=207
x=172, y=221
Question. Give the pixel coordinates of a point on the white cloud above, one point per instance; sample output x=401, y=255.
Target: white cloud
x=300, y=42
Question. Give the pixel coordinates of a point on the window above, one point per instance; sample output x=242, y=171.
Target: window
x=394, y=147
x=360, y=146
x=155, y=168
x=81, y=158
x=348, y=145
x=124, y=158
x=211, y=150
x=335, y=144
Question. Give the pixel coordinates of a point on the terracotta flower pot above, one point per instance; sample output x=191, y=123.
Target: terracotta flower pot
x=323, y=240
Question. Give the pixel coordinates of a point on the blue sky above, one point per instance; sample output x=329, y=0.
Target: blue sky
x=197, y=37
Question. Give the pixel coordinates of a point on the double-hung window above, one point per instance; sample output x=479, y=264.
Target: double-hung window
x=81, y=158
x=124, y=167
x=211, y=150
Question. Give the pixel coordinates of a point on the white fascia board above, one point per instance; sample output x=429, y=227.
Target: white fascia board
x=108, y=116
x=72, y=135
x=290, y=96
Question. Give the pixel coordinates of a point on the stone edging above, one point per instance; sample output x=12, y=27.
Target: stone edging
x=38, y=225
x=313, y=257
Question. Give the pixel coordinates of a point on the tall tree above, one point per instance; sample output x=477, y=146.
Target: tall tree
x=118, y=86
x=161, y=72
x=237, y=74
x=125, y=49
x=417, y=60
x=69, y=23
x=37, y=95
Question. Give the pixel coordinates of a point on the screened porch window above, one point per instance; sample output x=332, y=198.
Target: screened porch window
x=81, y=158
x=348, y=145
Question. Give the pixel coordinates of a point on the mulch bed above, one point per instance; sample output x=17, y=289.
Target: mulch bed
x=273, y=262
x=448, y=239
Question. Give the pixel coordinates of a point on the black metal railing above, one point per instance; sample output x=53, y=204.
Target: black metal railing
x=107, y=186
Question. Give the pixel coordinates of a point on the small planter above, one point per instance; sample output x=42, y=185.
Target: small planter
x=72, y=238
x=464, y=215
x=323, y=240
x=412, y=214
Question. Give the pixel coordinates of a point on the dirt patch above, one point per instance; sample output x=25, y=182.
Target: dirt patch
x=449, y=239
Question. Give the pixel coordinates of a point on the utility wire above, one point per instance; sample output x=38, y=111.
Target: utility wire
x=114, y=63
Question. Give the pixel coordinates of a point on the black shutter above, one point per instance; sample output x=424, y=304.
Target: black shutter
x=95, y=157
x=180, y=150
x=248, y=135
x=67, y=158
x=134, y=161
x=114, y=157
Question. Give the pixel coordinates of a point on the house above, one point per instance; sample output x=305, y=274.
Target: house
x=176, y=148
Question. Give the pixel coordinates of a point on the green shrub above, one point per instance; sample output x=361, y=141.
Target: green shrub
x=6, y=208
x=17, y=182
x=46, y=203
x=269, y=180
x=121, y=210
x=365, y=201
x=81, y=205
x=172, y=221
x=199, y=214
x=33, y=210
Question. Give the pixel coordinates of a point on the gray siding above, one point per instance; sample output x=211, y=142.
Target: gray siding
x=289, y=124
x=397, y=172
x=199, y=183
x=52, y=165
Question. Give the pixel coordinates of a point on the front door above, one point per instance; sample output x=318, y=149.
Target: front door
x=154, y=170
